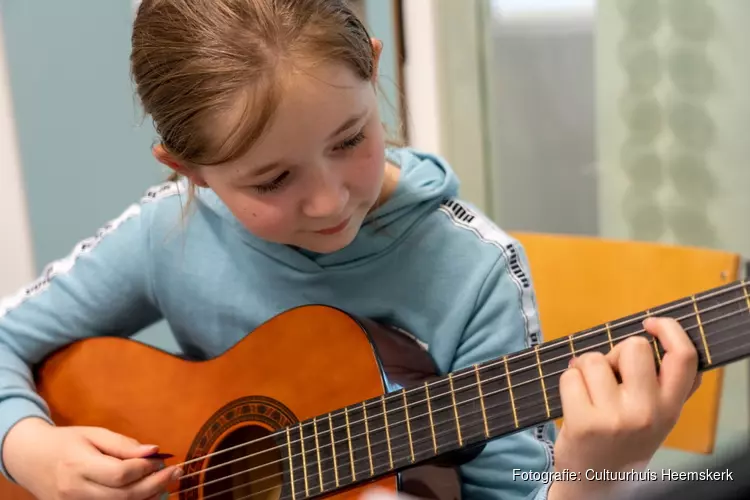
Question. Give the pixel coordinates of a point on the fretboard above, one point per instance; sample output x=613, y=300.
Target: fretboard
x=471, y=406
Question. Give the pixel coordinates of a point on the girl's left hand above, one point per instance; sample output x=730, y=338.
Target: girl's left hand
x=614, y=426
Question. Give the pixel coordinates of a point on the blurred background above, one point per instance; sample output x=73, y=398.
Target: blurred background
x=612, y=118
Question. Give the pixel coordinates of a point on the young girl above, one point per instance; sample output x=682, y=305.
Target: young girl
x=268, y=111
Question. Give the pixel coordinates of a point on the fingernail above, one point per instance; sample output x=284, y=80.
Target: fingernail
x=177, y=474
x=571, y=362
x=149, y=448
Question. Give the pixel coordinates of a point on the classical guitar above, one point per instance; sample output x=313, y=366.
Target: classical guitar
x=316, y=402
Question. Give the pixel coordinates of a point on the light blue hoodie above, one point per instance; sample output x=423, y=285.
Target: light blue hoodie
x=433, y=265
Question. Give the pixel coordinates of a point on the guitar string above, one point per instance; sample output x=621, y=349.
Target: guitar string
x=399, y=394
x=494, y=417
x=425, y=414
x=514, y=357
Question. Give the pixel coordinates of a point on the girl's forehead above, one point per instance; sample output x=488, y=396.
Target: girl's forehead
x=314, y=109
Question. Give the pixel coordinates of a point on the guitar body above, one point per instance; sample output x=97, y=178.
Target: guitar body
x=303, y=363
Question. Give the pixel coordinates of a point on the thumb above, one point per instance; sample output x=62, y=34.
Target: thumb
x=117, y=445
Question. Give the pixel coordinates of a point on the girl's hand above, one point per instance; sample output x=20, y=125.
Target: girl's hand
x=82, y=463
x=615, y=426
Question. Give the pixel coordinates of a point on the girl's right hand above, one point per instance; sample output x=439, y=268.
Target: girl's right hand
x=83, y=463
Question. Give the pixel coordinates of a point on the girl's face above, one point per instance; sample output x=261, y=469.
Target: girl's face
x=318, y=169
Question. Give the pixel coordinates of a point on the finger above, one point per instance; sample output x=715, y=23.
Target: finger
x=679, y=363
x=116, y=473
x=635, y=363
x=696, y=385
x=574, y=395
x=117, y=445
x=155, y=484
x=92, y=491
x=599, y=378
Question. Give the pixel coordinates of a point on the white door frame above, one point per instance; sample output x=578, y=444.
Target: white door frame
x=16, y=255
x=446, y=54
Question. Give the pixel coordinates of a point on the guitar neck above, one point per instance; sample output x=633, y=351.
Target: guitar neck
x=501, y=396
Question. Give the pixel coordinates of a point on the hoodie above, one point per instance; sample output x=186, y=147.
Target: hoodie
x=434, y=266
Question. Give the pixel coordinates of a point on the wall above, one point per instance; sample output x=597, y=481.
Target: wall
x=84, y=146
x=16, y=261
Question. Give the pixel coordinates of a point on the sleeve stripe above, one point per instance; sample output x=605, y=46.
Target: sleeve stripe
x=464, y=217
x=64, y=265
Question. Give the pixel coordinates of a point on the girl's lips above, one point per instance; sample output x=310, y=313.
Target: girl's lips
x=335, y=229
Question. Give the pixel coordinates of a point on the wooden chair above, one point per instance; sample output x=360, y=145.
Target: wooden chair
x=582, y=282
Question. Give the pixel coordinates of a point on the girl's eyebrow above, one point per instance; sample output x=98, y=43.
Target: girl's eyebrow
x=347, y=124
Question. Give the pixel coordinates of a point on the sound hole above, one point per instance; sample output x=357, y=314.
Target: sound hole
x=251, y=471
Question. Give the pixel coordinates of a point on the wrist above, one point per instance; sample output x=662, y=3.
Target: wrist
x=21, y=437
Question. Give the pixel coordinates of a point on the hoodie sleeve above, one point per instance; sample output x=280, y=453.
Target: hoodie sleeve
x=505, y=320
x=101, y=288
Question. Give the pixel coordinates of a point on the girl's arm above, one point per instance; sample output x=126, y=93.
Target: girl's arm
x=505, y=320
x=101, y=288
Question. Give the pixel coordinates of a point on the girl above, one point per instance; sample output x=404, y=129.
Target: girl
x=267, y=111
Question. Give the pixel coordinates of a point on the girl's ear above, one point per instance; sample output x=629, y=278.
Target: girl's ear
x=163, y=156
x=377, y=47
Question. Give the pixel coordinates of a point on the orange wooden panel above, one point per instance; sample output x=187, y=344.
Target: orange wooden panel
x=582, y=282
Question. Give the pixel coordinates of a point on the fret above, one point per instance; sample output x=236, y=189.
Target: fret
x=356, y=438
x=304, y=458
x=592, y=340
x=326, y=460
x=455, y=409
x=421, y=423
x=481, y=402
x=377, y=425
x=554, y=358
x=387, y=432
x=510, y=390
x=296, y=464
x=360, y=441
x=367, y=437
x=609, y=336
x=441, y=404
x=528, y=396
x=541, y=380
x=429, y=413
x=496, y=397
x=399, y=429
x=629, y=326
x=317, y=451
x=342, y=442
x=682, y=311
x=408, y=426
x=290, y=454
x=471, y=415
x=572, y=345
x=700, y=328
x=720, y=316
x=654, y=343
x=747, y=297
x=333, y=451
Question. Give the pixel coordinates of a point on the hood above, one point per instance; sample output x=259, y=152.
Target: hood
x=424, y=183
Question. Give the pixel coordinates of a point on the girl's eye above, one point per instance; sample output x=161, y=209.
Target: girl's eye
x=352, y=142
x=273, y=185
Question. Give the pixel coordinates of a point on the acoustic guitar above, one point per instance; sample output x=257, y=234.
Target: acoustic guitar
x=318, y=403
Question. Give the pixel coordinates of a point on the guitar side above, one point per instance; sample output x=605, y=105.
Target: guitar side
x=303, y=363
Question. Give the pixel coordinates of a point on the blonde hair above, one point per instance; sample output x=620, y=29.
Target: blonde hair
x=192, y=59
